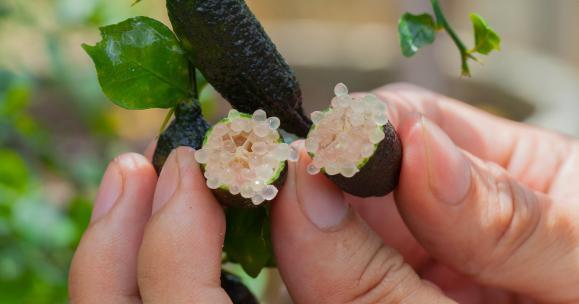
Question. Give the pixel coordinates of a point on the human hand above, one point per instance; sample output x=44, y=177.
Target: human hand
x=496, y=231
x=486, y=209
x=151, y=241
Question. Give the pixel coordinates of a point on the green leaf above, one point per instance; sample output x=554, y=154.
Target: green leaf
x=140, y=64
x=247, y=240
x=415, y=31
x=486, y=39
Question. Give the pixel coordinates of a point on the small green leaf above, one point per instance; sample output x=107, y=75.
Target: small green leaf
x=247, y=240
x=415, y=31
x=140, y=64
x=486, y=39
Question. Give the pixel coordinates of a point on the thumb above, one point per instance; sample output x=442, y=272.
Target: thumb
x=326, y=254
x=473, y=216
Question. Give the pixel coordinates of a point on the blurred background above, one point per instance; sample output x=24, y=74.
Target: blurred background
x=58, y=131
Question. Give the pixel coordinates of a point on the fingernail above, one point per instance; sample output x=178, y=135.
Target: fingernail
x=187, y=164
x=448, y=170
x=176, y=171
x=321, y=201
x=168, y=181
x=109, y=191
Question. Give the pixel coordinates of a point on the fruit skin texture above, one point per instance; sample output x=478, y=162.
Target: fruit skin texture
x=229, y=46
x=235, y=289
x=379, y=176
x=237, y=201
x=187, y=129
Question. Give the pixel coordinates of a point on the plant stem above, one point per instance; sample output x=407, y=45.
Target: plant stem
x=441, y=21
x=166, y=120
x=193, y=79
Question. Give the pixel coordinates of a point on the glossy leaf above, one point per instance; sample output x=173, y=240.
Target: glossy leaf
x=415, y=32
x=485, y=38
x=140, y=64
x=247, y=240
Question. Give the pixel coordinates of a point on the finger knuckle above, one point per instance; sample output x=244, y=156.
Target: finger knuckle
x=381, y=278
x=513, y=214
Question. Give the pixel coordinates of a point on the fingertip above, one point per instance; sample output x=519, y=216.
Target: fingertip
x=132, y=162
x=109, y=191
x=433, y=164
x=414, y=163
x=449, y=172
x=169, y=180
x=399, y=109
x=283, y=209
x=182, y=185
x=183, y=241
x=135, y=167
x=139, y=179
x=416, y=203
x=288, y=192
x=124, y=174
x=189, y=169
x=320, y=200
x=326, y=253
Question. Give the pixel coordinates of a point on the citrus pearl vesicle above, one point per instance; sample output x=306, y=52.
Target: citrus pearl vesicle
x=355, y=145
x=244, y=156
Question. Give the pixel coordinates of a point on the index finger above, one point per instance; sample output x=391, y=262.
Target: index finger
x=531, y=155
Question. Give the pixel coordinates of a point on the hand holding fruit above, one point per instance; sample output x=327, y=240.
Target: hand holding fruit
x=485, y=209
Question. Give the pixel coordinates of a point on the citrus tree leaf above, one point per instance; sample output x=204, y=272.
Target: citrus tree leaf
x=247, y=239
x=486, y=39
x=415, y=32
x=140, y=64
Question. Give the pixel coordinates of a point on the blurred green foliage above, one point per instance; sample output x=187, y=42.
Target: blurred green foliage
x=39, y=229
x=37, y=237
x=56, y=136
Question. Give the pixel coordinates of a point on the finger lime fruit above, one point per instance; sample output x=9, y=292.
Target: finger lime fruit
x=236, y=290
x=187, y=129
x=224, y=40
x=244, y=159
x=355, y=145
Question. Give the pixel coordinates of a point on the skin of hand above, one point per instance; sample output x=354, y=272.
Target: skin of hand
x=487, y=211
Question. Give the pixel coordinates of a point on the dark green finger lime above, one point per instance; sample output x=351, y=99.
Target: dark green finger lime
x=229, y=46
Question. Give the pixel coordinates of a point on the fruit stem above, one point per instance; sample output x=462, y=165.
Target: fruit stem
x=442, y=22
x=193, y=79
x=166, y=120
